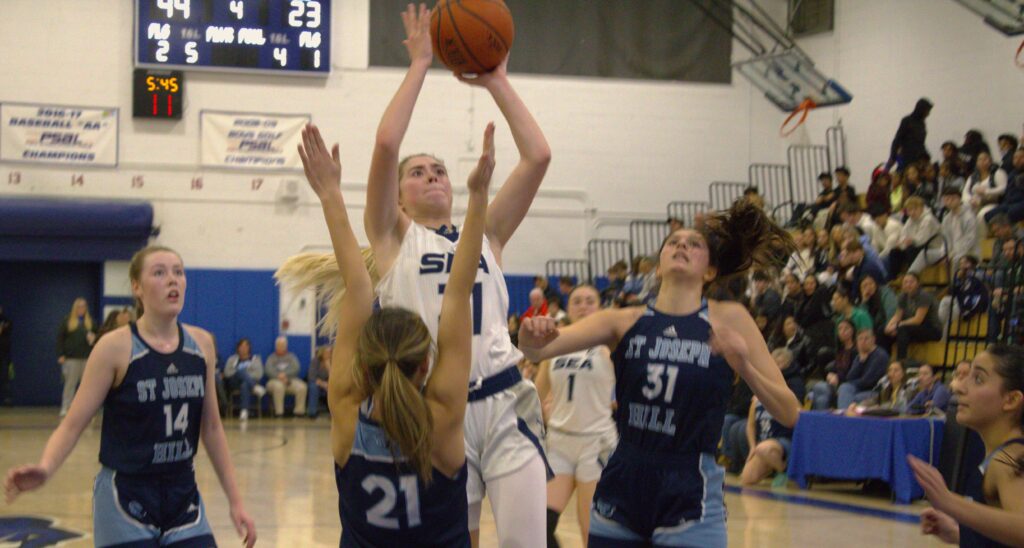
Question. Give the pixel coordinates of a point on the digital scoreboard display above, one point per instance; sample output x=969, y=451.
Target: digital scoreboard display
x=279, y=36
x=157, y=94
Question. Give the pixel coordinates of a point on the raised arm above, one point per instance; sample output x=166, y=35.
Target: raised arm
x=384, y=221
x=513, y=200
x=97, y=379
x=323, y=170
x=736, y=337
x=449, y=382
x=211, y=432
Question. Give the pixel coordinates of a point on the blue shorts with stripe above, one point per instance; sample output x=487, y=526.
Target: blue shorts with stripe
x=646, y=499
x=149, y=510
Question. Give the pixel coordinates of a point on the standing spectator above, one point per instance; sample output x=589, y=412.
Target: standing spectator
x=823, y=392
x=888, y=230
x=1007, y=146
x=814, y=314
x=1013, y=199
x=283, y=374
x=5, y=355
x=316, y=379
x=931, y=395
x=959, y=227
x=538, y=305
x=75, y=338
x=243, y=372
x=921, y=231
x=974, y=145
x=916, y=319
x=870, y=363
x=908, y=144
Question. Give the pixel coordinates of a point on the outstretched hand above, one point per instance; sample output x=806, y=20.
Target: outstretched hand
x=537, y=332
x=480, y=177
x=23, y=479
x=323, y=167
x=417, y=32
x=934, y=522
x=932, y=483
x=487, y=78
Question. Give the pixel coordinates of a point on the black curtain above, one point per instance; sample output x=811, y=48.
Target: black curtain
x=638, y=39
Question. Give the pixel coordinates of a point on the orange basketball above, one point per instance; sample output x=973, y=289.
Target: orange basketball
x=471, y=35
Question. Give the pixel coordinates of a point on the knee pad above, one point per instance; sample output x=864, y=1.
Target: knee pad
x=552, y=525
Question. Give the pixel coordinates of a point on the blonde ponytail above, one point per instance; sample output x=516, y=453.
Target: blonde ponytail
x=406, y=419
x=319, y=271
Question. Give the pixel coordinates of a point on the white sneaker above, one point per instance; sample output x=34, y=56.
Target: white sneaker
x=259, y=390
x=243, y=415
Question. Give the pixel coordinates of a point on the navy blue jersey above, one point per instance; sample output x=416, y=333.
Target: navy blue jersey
x=974, y=490
x=383, y=502
x=672, y=392
x=151, y=420
x=767, y=426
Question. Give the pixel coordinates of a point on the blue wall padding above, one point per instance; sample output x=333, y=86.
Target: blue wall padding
x=38, y=229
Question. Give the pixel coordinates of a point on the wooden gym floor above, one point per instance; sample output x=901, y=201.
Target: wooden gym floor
x=284, y=470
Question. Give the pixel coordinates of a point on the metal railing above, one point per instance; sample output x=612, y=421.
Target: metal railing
x=774, y=183
x=835, y=141
x=723, y=193
x=645, y=237
x=577, y=269
x=602, y=254
x=806, y=162
x=686, y=211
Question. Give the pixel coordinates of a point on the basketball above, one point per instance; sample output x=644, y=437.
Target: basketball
x=471, y=35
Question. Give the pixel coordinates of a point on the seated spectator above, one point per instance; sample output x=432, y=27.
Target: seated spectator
x=541, y=282
x=878, y=191
x=674, y=224
x=633, y=287
x=931, y=395
x=930, y=180
x=985, y=187
x=283, y=374
x=801, y=262
x=844, y=309
x=734, y=428
x=891, y=392
x=115, y=319
x=822, y=205
x=916, y=186
x=1012, y=204
x=243, y=372
x=974, y=145
x=1007, y=144
x=814, y=314
x=822, y=252
x=921, y=231
x=969, y=288
x=959, y=227
x=855, y=258
x=766, y=301
x=792, y=338
x=960, y=375
x=823, y=392
x=538, y=305
x=317, y=378
x=616, y=279
x=1003, y=231
x=897, y=194
x=652, y=284
x=951, y=157
x=792, y=295
x=555, y=310
x=869, y=365
x=916, y=319
x=880, y=303
x=887, y=235
x=769, y=441
x=853, y=217
x=513, y=328
x=949, y=177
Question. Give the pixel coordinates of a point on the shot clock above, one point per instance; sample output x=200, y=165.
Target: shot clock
x=158, y=94
x=279, y=36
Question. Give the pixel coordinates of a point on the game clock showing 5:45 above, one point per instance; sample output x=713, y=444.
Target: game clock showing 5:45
x=158, y=94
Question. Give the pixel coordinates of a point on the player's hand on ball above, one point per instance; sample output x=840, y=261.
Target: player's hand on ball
x=244, y=525
x=480, y=178
x=417, y=32
x=23, y=479
x=323, y=167
x=485, y=79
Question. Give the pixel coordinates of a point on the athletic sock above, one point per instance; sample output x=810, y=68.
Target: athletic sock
x=552, y=525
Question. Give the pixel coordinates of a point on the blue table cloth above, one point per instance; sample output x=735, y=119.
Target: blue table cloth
x=836, y=446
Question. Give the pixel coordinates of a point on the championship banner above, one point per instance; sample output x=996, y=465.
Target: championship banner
x=58, y=134
x=243, y=140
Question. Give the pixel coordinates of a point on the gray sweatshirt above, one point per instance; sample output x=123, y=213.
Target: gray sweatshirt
x=287, y=364
x=252, y=367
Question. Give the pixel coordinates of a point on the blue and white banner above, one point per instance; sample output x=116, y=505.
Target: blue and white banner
x=244, y=140
x=58, y=134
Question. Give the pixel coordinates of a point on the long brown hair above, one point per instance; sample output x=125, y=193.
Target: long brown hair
x=135, y=269
x=743, y=237
x=393, y=346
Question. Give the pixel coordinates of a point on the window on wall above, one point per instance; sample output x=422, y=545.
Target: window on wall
x=809, y=17
x=649, y=39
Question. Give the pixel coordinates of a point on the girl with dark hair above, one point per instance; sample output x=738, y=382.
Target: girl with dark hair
x=823, y=392
x=675, y=362
x=974, y=144
x=991, y=402
x=397, y=438
x=814, y=314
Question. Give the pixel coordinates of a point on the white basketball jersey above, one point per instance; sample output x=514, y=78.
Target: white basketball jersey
x=416, y=282
x=582, y=388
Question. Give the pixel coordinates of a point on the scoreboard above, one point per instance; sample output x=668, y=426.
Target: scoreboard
x=278, y=36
